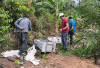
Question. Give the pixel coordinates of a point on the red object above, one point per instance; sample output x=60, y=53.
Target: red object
x=64, y=22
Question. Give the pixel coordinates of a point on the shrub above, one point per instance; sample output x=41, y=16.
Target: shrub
x=83, y=51
x=4, y=26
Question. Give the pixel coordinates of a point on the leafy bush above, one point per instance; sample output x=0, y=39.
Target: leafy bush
x=92, y=14
x=17, y=9
x=39, y=24
x=83, y=51
x=92, y=47
x=4, y=26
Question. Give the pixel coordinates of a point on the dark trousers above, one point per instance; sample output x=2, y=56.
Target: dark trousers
x=71, y=38
x=64, y=40
x=22, y=36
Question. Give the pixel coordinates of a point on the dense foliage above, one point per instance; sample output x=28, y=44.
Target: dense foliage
x=44, y=15
x=90, y=9
x=4, y=26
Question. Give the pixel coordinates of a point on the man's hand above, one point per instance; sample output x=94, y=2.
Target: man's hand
x=21, y=28
x=61, y=30
x=69, y=30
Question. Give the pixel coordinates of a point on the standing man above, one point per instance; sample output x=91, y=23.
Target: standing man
x=72, y=25
x=64, y=30
x=23, y=25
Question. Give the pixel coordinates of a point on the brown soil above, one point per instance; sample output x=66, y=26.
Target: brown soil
x=53, y=61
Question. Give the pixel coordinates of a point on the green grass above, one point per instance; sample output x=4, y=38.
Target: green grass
x=62, y=52
x=41, y=56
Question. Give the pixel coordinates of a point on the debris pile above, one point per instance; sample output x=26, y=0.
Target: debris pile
x=29, y=57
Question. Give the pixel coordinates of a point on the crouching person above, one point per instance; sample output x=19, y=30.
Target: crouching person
x=23, y=25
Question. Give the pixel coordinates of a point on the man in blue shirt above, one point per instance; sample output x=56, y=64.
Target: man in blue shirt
x=72, y=25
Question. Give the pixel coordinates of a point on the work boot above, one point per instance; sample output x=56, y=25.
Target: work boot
x=20, y=57
x=65, y=49
x=23, y=54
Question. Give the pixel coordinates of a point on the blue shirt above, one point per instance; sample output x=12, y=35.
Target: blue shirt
x=72, y=23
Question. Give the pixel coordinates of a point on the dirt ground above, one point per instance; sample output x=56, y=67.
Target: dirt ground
x=52, y=61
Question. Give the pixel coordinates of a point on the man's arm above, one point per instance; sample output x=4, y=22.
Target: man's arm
x=71, y=29
x=17, y=25
x=67, y=27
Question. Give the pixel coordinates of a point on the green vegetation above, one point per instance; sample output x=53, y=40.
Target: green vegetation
x=45, y=22
x=83, y=51
x=4, y=27
x=61, y=51
x=41, y=56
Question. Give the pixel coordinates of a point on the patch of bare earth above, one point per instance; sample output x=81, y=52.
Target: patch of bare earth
x=53, y=61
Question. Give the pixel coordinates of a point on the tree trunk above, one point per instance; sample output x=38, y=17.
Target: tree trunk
x=57, y=11
x=95, y=59
x=56, y=27
x=79, y=2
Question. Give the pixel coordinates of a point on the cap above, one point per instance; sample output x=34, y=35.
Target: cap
x=61, y=14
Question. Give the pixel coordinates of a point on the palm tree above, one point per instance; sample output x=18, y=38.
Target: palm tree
x=57, y=5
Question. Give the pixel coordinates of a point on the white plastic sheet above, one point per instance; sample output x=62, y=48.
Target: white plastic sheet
x=30, y=56
x=55, y=39
x=10, y=53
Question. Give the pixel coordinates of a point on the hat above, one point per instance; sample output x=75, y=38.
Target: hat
x=61, y=14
